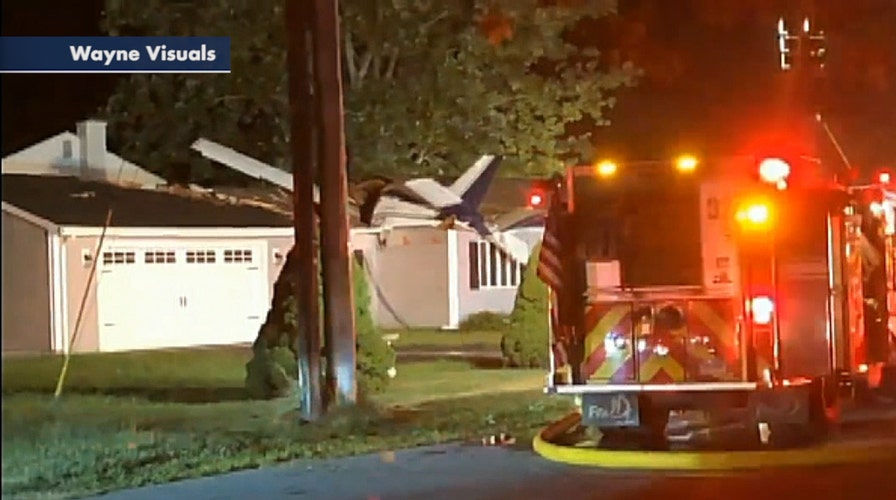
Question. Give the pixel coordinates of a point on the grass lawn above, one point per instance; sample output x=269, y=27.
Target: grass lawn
x=138, y=418
x=410, y=339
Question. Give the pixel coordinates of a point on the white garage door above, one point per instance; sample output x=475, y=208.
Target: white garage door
x=158, y=296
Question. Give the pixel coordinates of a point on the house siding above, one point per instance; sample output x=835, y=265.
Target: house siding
x=26, y=287
x=409, y=277
x=76, y=275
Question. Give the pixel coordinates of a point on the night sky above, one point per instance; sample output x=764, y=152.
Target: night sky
x=38, y=106
x=710, y=85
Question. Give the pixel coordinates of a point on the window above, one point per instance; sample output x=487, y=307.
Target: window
x=119, y=258
x=474, y=265
x=159, y=257
x=235, y=256
x=492, y=268
x=202, y=257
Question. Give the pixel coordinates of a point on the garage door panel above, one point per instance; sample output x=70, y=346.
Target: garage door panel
x=182, y=295
x=159, y=299
x=223, y=297
x=137, y=304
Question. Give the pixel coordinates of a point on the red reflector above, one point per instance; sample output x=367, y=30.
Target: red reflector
x=535, y=200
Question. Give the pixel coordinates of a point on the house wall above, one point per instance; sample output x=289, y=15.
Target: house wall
x=78, y=276
x=498, y=299
x=409, y=277
x=366, y=244
x=26, y=287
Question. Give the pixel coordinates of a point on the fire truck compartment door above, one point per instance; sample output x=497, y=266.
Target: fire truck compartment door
x=802, y=302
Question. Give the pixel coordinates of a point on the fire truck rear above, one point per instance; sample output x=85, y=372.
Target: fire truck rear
x=734, y=292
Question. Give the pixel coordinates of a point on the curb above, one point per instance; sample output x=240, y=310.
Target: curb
x=829, y=454
x=448, y=353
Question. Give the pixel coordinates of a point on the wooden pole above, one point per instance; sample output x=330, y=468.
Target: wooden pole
x=301, y=105
x=97, y=255
x=339, y=317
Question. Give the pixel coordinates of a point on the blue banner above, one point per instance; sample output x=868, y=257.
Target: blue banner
x=125, y=54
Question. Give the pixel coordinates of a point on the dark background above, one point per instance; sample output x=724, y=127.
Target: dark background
x=711, y=82
x=38, y=106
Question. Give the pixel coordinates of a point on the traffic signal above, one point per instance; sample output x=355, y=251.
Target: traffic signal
x=786, y=43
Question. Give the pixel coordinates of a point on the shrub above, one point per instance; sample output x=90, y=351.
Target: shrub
x=485, y=321
x=525, y=344
x=375, y=356
x=273, y=370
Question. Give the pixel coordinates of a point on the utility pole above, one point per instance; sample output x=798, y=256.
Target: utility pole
x=297, y=15
x=339, y=310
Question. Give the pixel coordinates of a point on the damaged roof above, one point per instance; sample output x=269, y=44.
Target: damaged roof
x=69, y=201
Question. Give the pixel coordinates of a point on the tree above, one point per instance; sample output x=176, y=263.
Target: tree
x=429, y=85
x=154, y=118
x=273, y=370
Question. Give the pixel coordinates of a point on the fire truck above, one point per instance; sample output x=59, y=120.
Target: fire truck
x=691, y=297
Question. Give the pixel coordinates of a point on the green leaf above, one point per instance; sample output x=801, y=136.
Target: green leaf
x=425, y=92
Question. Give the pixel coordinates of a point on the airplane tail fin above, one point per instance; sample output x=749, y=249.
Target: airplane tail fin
x=473, y=185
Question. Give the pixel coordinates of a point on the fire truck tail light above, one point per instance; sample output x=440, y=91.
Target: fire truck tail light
x=756, y=214
x=762, y=308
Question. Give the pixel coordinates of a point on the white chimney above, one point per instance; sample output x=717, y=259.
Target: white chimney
x=92, y=142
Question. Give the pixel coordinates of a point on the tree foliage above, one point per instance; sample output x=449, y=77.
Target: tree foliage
x=273, y=370
x=429, y=85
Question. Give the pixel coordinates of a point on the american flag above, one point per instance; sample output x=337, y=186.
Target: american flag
x=550, y=271
x=549, y=268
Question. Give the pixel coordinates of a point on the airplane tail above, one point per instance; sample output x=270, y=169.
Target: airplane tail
x=473, y=185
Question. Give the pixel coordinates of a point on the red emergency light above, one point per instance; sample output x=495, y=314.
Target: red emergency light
x=884, y=177
x=536, y=199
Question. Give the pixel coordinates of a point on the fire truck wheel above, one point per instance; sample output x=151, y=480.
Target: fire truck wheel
x=784, y=435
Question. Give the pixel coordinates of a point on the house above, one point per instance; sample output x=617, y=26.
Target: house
x=171, y=270
x=430, y=277
x=421, y=274
x=425, y=276
x=83, y=154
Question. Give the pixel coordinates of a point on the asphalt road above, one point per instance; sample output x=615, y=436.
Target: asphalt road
x=476, y=472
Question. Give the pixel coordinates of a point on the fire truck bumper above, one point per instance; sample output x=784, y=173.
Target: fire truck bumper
x=629, y=405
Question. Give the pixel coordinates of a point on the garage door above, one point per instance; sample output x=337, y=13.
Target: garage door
x=157, y=296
